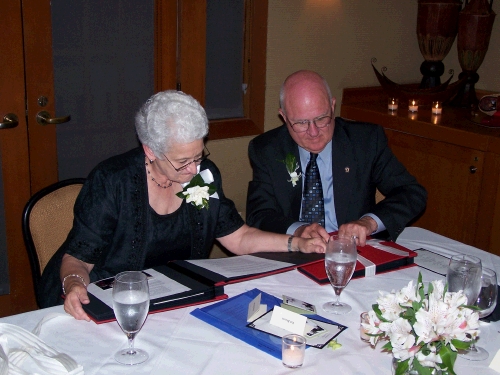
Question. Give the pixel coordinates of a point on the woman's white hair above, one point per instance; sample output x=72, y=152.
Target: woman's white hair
x=170, y=117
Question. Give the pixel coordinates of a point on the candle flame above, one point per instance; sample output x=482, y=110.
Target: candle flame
x=413, y=102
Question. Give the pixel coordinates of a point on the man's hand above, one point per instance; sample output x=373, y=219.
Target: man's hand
x=311, y=231
x=311, y=245
x=73, y=303
x=359, y=229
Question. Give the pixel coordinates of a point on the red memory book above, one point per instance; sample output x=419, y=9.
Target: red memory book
x=383, y=261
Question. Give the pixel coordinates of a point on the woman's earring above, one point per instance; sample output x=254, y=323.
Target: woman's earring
x=150, y=161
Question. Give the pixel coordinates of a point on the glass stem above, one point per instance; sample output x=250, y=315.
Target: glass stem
x=337, y=296
x=131, y=349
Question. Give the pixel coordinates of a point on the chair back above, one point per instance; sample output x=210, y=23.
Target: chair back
x=378, y=196
x=47, y=220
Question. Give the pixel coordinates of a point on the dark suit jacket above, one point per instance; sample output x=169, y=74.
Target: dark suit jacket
x=362, y=162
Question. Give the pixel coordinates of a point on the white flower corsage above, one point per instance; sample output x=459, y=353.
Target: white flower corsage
x=292, y=166
x=199, y=190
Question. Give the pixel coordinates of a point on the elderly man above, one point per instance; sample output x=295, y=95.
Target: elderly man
x=318, y=173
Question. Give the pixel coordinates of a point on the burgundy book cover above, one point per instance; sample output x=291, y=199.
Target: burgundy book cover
x=384, y=262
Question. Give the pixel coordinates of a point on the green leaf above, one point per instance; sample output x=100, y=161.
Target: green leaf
x=379, y=313
x=402, y=367
x=461, y=345
x=196, y=180
x=387, y=347
x=422, y=370
x=448, y=357
x=430, y=289
x=290, y=163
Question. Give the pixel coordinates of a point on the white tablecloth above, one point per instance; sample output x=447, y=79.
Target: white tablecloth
x=179, y=343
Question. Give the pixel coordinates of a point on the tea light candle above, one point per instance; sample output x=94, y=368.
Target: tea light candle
x=293, y=350
x=412, y=105
x=436, y=108
x=363, y=318
x=392, y=104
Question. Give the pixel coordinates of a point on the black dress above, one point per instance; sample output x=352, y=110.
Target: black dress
x=113, y=221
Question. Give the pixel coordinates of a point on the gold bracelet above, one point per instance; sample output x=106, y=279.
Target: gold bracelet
x=72, y=275
x=290, y=243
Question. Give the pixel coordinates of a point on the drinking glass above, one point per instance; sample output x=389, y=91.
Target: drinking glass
x=486, y=301
x=464, y=273
x=340, y=261
x=131, y=307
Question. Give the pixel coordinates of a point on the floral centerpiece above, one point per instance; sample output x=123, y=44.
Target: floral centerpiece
x=424, y=330
x=197, y=192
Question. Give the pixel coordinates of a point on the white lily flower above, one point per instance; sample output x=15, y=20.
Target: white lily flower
x=415, y=324
x=389, y=306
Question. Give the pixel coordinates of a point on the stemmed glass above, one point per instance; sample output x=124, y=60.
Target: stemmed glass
x=340, y=261
x=464, y=273
x=131, y=306
x=486, y=301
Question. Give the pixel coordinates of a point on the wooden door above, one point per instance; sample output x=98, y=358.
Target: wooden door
x=452, y=176
x=15, y=160
x=30, y=151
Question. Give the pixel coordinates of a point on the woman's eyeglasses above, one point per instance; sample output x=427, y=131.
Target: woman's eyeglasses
x=198, y=161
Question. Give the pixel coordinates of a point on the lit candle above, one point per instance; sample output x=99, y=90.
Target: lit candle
x=293, y=350
x=392, y=104
x=413, y=105
x=436, y=108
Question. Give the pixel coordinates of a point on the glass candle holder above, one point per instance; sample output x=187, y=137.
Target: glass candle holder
x=413, y=105
x=437, y=108
x=363, y=318
x=293, y=350
x=392, y=104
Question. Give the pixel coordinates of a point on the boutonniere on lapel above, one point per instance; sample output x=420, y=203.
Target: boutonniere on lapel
x=199, y=190
x=291, y=167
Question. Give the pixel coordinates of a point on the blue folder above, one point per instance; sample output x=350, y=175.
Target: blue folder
x=230, y=316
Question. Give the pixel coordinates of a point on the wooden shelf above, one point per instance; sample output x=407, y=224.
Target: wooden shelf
x=451, y=155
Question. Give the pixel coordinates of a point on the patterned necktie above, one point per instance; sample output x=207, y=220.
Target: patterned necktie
x=313, y=209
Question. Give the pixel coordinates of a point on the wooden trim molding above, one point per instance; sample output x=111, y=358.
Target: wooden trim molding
x=185, y=64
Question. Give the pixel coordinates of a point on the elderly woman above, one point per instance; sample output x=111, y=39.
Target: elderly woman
x=136, y=212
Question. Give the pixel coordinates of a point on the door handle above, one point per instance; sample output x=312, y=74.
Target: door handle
x=43, y=118
x=10, y=120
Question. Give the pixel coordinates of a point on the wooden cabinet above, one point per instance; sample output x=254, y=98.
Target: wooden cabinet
x=454, y=158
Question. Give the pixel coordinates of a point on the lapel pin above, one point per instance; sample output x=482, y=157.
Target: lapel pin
x=346, y=169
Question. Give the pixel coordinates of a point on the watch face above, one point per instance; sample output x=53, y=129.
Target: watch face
x=489, y=104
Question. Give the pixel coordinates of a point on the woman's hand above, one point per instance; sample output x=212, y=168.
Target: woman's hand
x=310, y=245
x=75, y=278
x=76, y=295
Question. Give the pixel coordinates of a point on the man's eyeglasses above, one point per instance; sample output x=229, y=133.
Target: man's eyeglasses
x=302, y=126
x=198, y=161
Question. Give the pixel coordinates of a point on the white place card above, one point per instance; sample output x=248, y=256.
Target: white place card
x=288, y=320
x=495, y=363
x=256, y=309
